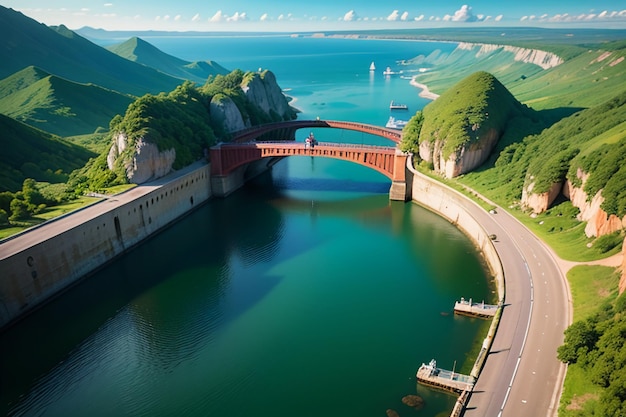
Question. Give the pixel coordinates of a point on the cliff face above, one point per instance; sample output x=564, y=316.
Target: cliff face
x=469, y=156
x=598, y=221
x=146, y=163
x=263, y=90
x=224, y=112
x=545, y=60
x=539, y=202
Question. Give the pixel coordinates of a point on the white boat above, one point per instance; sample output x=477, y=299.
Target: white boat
x=388, y=71
x=394, y=123
x=397, y=106
x=372, y=66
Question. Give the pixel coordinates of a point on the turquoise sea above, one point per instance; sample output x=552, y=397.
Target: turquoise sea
x=307, y=293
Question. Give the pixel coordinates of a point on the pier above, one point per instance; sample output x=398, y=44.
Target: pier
x=429, y=374
x=469, y=308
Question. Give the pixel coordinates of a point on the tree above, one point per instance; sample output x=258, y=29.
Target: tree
x=580, y=338
x=19, y=209
x=411, y=134
x=4, y=218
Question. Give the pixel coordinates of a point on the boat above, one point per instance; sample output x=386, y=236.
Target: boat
x=394, y=123
x=372, y=66
x=388, y=71
x=397, y=106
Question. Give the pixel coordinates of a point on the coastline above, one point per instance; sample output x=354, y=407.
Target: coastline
x=425, y=93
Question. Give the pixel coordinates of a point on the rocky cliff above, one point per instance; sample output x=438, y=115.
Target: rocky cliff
x=262, y=89
x=545, y=60
x=147, y=161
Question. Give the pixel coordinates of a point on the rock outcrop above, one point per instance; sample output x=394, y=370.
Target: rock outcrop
x=539, y=202
x=146, y=163
x=263, y=90
x=598, y=221
x=224, y=112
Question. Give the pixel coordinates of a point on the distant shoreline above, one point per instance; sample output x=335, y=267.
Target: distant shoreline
x=425, y=93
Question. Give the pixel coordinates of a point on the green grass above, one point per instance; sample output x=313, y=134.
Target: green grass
x=579, y=393
x=590, y=286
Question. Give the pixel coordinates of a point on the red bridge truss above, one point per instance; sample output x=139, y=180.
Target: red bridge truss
x=385, y=159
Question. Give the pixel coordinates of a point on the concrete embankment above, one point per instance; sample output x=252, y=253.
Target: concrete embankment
x=446, y=202
x=39, y=264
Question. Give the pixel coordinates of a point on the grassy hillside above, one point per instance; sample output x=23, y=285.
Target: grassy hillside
x=591, y=138
x=32, y=153
x=587, y=79
x=142, y=52
x=57, y=105
x=59, y=51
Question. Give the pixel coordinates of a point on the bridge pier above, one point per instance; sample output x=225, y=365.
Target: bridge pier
x=399, y=191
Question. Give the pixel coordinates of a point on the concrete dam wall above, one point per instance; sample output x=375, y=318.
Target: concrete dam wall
x=32, y=270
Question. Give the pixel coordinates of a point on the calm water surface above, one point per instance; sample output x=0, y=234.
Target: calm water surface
x=307, y=293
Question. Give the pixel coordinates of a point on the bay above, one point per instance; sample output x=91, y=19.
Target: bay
x=306, y=293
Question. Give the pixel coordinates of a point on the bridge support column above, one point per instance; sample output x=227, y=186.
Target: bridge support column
x=399, y=191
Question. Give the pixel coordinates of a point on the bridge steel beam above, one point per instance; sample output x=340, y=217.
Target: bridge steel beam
x=389, y=161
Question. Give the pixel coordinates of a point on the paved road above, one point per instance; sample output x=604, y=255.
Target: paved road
x=522, y=376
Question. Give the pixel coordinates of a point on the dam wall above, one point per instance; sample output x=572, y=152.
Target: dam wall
x=39, y=264
x=450, y=204
x=447, y=202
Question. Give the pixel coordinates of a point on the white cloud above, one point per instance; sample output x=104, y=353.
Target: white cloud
x=523, y=18
x=464, y=14
x=350, y=16
x=108, y=4
x=393, y=16
x=419, y=18
x=177, y=18
x=264, y=17
x=237, y=17
x=196, y=17
x=217, y=17
x=404, y=16
x=498, y=18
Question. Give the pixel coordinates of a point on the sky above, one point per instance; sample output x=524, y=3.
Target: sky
x=318, y=15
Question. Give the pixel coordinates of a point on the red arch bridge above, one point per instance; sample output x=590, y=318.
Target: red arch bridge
x=246, y=148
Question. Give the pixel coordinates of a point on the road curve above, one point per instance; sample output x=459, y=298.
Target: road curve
x=522, y=375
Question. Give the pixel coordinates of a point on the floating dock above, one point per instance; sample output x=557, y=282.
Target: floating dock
x=446, y=380
x=469, y=308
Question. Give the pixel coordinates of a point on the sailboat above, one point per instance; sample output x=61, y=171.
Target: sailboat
x=372, y=66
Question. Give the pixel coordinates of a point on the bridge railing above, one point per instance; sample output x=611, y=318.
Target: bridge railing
x=290, y=143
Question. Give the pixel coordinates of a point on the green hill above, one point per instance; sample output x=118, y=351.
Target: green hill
x=588, y=77
x=59, y=51
x=31, y=153
x=59, y=106
x=142, y=52
x=592, y=139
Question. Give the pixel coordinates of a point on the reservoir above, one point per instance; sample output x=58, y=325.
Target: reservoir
x=306, y=293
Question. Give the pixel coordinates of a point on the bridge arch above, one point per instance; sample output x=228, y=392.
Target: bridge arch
x=289, y=128
x=227, y=158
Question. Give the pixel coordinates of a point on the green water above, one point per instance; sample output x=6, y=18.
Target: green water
x=262, y=304
x=307, y=293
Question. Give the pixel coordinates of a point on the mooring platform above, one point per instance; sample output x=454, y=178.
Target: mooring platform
x=469, y=308
x=429, y=374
